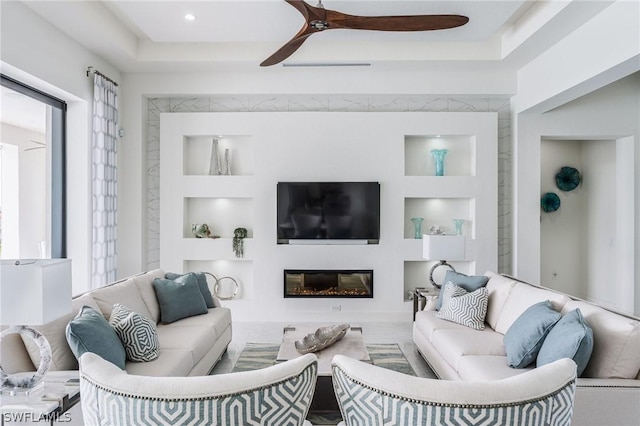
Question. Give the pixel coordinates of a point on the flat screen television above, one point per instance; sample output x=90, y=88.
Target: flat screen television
x=328, y=212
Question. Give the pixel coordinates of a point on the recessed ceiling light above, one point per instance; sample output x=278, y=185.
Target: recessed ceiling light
x=190, y=17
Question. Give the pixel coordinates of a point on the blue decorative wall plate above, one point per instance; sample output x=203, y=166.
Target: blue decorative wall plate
x=568, y=179
x=550, y=202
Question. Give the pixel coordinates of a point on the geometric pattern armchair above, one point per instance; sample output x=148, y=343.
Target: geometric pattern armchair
x=370, y=395
x=273, y=396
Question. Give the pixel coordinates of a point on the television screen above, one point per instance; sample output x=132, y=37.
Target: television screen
x=328, y=211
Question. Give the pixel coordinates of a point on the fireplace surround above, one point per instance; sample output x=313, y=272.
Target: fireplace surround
x=347, y=283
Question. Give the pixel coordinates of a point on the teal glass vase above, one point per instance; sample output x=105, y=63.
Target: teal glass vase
x=417, y=227
x=458, y=224
x=438, y=156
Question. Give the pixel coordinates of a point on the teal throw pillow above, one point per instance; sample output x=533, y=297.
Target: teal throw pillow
x=468, y=282
x=572, y=337
x=202, y=285
x=179, y=298
x=89, y=331
x=525, y=337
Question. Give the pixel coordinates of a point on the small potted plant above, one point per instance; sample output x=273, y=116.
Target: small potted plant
x=239, y=234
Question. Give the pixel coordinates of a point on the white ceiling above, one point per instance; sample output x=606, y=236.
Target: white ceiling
x=144, y=36
x=153, y=36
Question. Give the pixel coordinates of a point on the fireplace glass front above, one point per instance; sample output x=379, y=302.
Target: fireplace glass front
x=328, y=283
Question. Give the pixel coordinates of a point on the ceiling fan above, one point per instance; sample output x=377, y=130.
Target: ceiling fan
x=319, y=19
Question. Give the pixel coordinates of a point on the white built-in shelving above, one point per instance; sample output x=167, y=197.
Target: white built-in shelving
x=467, y=190
x=270, y=147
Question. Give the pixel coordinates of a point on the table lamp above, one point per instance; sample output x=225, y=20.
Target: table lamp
x=442, y=248
x=32, y=292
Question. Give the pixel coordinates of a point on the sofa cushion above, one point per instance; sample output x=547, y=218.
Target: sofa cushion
x=136, y=332
x=571, y=338
x=616, y=342
x=144, y=282
x=198, y=340
x=499, y=288
x=525, y=337
x=487, y=367
x=427, y=323
x=218, y=318
x=455, y=344
x=89, y=331
x=172, y=362
x=469, y=283
x=521, y=297
x=464, y=308
x=202, y=285
x=55, y=332
x=179, y=298
x=125, y=291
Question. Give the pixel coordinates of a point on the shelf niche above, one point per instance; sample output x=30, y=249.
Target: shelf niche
x=459, y=161
x=197, y=154
x=223, y=215
x=240, y=270
x=441, y=212
x=416, y=274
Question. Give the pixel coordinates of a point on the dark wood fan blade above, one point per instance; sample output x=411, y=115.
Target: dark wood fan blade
x=320, y=19
x=395, y=23
x=291, y=46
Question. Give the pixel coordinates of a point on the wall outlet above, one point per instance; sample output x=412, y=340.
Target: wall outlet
x=336, y=308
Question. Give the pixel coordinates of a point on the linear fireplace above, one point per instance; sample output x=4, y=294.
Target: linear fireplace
x=328, y=283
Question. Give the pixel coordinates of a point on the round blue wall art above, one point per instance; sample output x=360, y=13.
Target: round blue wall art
x=550, y=202
x=568, y=179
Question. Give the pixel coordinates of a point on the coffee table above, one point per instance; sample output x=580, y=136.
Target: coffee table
x=351, y=345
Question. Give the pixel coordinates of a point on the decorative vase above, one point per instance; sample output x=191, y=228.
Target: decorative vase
x=227, y=162
x=438, y=156
x=214, y=160
x=458, y=224
x=417, y=227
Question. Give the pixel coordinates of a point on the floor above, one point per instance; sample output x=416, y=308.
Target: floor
x=374, y=332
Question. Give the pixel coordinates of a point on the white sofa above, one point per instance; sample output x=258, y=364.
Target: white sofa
x=607, y=393
x=188, y=347
x=273, y=396
x=370, y=395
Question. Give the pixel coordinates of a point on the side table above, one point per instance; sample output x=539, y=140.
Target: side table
x=49, y=401
x=420, y=298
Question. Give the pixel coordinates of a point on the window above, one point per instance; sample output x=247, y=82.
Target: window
x=32, y=173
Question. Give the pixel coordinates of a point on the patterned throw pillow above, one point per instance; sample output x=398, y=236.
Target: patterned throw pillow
x=467, y=282
x=136, y=332
x=461, y=307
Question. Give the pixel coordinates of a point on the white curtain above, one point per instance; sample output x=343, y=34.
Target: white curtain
x=104, y=177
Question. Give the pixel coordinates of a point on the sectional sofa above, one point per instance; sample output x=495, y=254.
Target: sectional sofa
x=188, y=347
x=608, y=391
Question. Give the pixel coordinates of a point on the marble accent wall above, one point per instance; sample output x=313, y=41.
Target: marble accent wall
x=358, y=103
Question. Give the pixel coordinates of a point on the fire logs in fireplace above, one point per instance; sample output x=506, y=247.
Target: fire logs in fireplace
x=328, y=283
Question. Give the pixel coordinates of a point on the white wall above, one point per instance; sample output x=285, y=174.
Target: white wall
x=612, y=114
x=325, y=146
x=38, y=54
x=579, y=243
x=562, y=239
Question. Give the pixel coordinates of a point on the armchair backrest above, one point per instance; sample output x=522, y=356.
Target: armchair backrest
x=276, y=395
x=370, y=395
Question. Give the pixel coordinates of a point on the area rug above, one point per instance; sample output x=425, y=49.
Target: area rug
x=260, y=355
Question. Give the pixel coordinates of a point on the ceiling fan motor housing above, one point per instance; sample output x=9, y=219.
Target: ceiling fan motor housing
x=319, y=25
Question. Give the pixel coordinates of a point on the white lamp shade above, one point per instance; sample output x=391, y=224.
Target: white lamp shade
x=34, y=292
x=443, y=247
